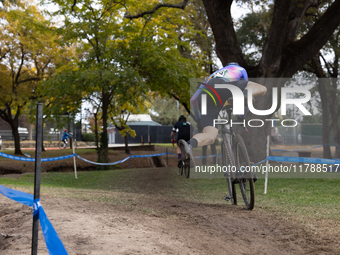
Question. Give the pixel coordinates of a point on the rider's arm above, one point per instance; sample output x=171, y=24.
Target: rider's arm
x=173, y=131
x=172, y=135
x=258, y=90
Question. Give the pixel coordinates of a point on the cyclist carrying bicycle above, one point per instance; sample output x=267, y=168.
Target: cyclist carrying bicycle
x=182, y=127
x=231, y=74
x=65, y=136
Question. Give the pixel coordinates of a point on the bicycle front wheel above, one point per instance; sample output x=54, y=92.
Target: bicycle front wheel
x=228, y=160
x=246, y=177
x=61, y=145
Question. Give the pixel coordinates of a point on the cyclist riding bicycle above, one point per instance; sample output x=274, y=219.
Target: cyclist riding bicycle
x=182, y=127
x=65, y=136
x=231, y=74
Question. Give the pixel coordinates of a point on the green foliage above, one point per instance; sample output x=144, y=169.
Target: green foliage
x=28, y=54
x=88, y=137
x=119, y=60
x=252, y=34
x=166, y=111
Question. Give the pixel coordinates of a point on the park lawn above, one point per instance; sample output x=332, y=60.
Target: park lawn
x=298, y=198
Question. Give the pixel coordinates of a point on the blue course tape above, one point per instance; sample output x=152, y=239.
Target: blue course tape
x=147, y=156
x=52, y=240
x=33, y=159
x=16, y=157
x=18, y=196
x=304, y=160
x=57, y=158
x=123, y=160
x=301, y=160
x=309, y=148
x=301, y=149
x=260, y=162
x=211, y=156
x=102, y=164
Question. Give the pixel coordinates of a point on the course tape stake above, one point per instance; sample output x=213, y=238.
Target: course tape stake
x=52, y=240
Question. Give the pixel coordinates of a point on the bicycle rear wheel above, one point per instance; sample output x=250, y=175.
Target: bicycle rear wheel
x=227, y=160
x=186, y=171
x=180, y=168
x=246, y=177
x=61, y=145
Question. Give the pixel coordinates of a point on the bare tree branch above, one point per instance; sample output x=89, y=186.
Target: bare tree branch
x=74, y=4
x=158, y=6
x=301, y=51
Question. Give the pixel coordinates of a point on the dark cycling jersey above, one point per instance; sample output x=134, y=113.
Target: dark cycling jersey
x=183, y=129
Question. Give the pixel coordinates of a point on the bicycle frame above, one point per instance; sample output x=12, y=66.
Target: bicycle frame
x=231, y=160
x=234, y=153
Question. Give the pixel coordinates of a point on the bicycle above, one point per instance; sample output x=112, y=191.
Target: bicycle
x=184, y=168
x=63, y=145
x=235, y=158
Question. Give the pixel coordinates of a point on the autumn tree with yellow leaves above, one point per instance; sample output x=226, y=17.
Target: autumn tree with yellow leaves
x=28, y=52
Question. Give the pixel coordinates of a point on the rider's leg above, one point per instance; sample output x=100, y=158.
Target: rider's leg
x=179, y=154
x=257, y=90
x=206, y=138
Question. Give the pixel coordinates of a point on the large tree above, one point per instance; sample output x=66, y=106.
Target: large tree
x=284, y=52
x=27, y=55
x=123, y=59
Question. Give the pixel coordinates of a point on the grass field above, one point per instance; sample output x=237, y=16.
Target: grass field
x=299, y=198
x=298, y=211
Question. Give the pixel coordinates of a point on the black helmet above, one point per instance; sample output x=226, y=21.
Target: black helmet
x=182, y=117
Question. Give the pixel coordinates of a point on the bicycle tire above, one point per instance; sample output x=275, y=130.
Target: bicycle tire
x=227, y=159
x=180, y=169
x=246, y=178
x=61, y=145
x=186, y=171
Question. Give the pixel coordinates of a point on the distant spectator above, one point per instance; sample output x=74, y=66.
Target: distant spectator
x=65, y=136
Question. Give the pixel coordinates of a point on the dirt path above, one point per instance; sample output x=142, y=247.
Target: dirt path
x=156, y=224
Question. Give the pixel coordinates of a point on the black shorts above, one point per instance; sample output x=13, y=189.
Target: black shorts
x=213, y=109
x=185, y=138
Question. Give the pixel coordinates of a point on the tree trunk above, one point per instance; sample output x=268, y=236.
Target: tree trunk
x=256, y=137
x=13, y=122
x=16, y=141
x=336, y=131
x=219, y=16
x=104, y=145
x=322, y=88
x=325, y=119
x=96, y=129
x=335, y=114
x=126, y=144
x=283, y=53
